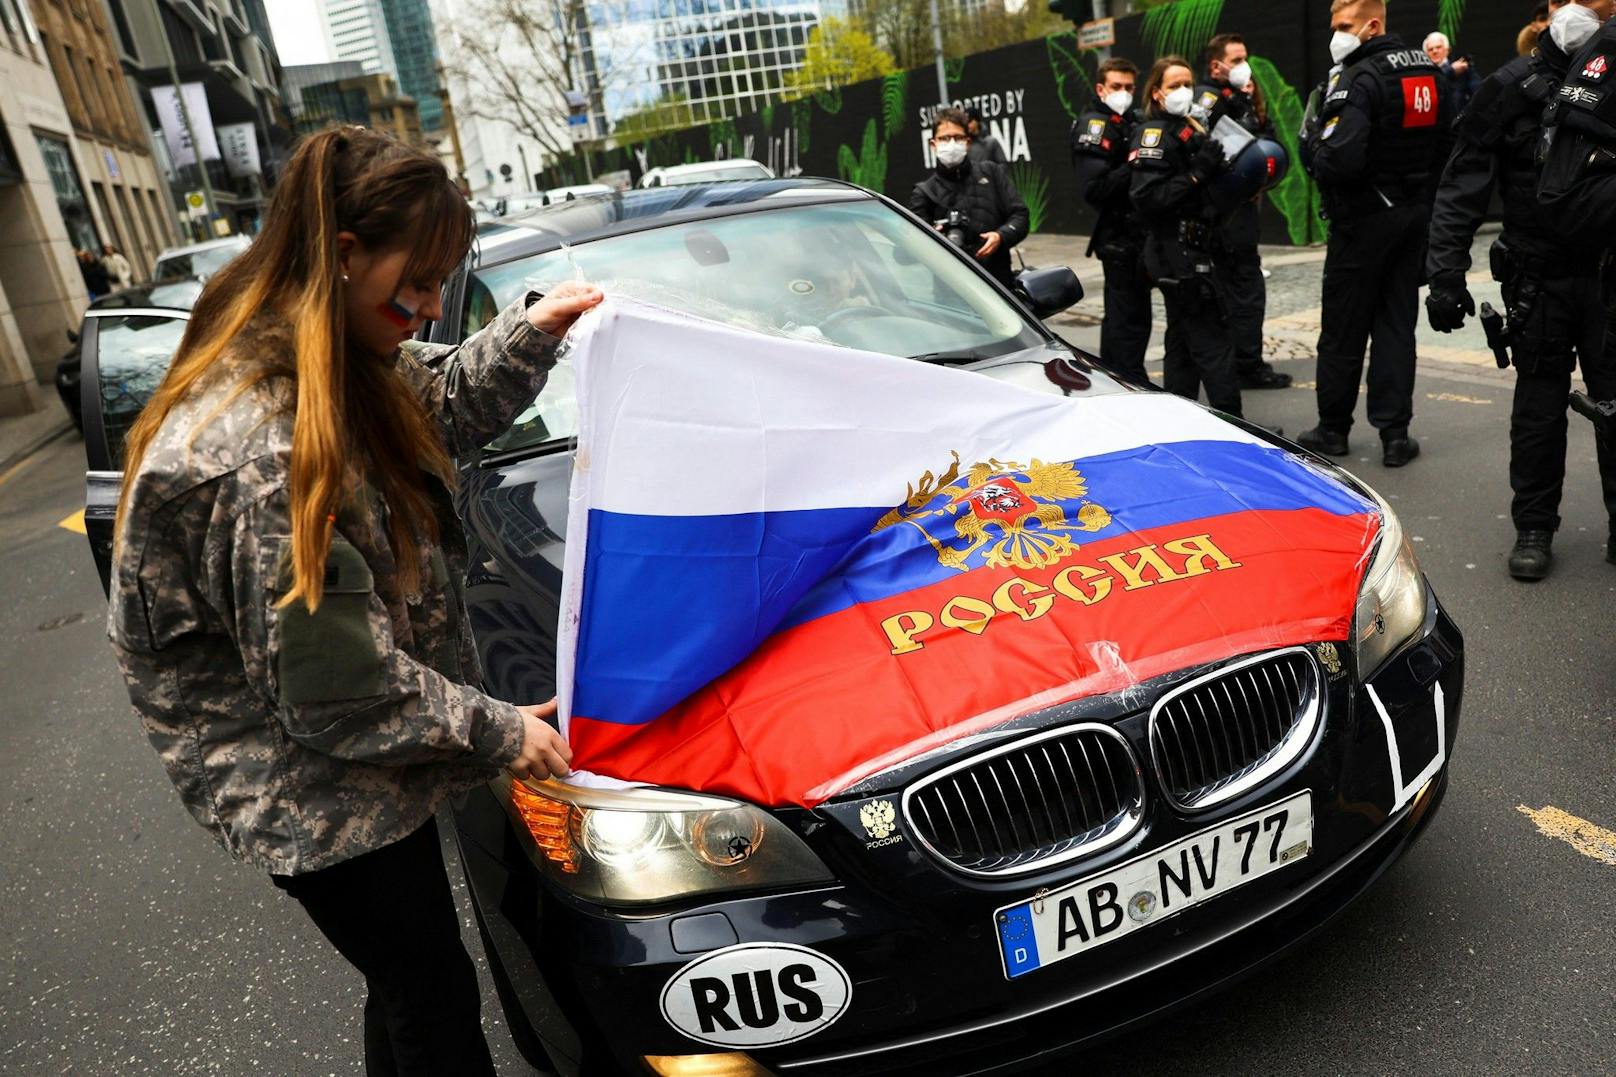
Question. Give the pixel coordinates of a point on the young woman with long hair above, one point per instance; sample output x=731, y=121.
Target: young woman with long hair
x=1173, y=160
x=286, y=603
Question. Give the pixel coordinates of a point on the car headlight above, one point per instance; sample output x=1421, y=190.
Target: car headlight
x=645, y=846
x=1391, y=600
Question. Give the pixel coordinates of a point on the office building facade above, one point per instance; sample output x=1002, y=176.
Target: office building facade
x=41, y=290
x=226, y=47
x=392, y=37
x=109, y=187
x=415, y=51
x=355, y=30
x=715, y=58
x=343, y=92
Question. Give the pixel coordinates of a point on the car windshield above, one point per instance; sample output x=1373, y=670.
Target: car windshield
x=854, y=274
x=202, y=263
x=132, y=355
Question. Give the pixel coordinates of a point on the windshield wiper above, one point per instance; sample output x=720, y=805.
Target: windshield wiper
x=948, y=357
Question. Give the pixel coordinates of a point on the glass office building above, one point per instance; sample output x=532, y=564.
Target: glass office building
x=415, y=51
x=394, y=37
x=714, y=58
x=356, y=32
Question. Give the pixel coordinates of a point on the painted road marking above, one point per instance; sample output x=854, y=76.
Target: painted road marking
x=1583, y=836
x=1457, y=398
x=18, y=468
x=74, y=522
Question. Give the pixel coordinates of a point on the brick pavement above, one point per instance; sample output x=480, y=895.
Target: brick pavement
x=1292, y=329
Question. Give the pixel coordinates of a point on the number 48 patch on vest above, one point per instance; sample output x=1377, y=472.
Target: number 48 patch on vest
x=1419, y=101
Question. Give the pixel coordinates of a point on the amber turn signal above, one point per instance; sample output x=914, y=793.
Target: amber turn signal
x=550, y=823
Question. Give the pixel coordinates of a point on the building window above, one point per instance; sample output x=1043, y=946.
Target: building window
x=123, y=117
x=165, y=225
x=69, y=193
x=120, y=22
x=112, y=222
x=86, y=116
x=27, y=20
x=141, y=246
x=10, y=171
x=187, y=53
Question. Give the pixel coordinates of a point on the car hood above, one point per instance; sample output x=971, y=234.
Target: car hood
x=1169, y=556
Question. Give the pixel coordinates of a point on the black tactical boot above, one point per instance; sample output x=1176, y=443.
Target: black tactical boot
x=1263, y=376
x=1531, y=558
x=1610, y=548
x=1322, y=441
x=1397, y=451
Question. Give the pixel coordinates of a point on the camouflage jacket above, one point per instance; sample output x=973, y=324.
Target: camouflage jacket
x=302, y=740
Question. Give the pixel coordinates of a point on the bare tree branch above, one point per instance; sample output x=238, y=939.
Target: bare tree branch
x=518, y=58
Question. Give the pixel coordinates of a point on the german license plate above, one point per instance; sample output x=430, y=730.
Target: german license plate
x=1150, y=888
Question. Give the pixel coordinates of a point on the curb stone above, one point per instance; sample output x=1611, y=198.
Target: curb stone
x=16, y=457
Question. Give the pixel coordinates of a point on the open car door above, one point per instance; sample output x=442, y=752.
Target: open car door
x=125, y=352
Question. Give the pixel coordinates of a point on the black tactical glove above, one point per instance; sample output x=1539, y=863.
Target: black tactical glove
x=1208, y=161
x=1448, y=304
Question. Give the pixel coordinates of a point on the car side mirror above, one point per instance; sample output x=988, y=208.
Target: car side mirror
x=1049, y=291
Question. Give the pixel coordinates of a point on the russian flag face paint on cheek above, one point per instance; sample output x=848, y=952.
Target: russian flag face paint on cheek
x=398, y=310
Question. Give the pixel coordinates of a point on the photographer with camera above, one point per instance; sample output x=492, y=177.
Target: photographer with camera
x=973, y=203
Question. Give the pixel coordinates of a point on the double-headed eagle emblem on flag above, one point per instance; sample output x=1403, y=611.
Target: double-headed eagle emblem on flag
x=1016, y=511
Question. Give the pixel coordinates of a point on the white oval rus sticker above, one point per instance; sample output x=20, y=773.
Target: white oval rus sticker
x=757, y=994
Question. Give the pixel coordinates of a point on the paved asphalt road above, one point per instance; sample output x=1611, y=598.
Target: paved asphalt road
x=132, y=945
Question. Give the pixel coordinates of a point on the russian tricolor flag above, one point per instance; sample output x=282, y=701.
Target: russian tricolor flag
x=791, y=565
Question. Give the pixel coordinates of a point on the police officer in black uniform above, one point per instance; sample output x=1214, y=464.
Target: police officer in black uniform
x=1100, y=140
x=1577, y=184
x=1229, y=91
x=1376, y=148
x=1577, y=193
x=1173, y=163
x=1551, y=294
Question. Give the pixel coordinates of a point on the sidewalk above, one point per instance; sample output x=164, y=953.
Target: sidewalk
x=23, y=435
x=1291, y=331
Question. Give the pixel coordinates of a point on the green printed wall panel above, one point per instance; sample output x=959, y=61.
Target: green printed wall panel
x=874, y=133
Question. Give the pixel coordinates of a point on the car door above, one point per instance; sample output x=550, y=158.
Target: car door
x=125, y=355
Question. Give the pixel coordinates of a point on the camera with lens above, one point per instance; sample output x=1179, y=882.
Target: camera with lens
x=957, y=230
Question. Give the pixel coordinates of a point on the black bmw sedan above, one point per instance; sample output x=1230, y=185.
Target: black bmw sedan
x=997, y=901
x=1071, y=872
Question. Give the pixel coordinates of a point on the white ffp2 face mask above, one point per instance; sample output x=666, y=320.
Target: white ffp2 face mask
x=1177, y=102
x=1572, y=26
x=1240, y=75
x=950, y=154
x=1118, y=101
x=1342, y=45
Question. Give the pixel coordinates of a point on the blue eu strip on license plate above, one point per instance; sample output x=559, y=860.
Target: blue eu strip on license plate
x=1153, y=887
x=1017, y=940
